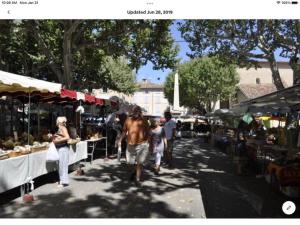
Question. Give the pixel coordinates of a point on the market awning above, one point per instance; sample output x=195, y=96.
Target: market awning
x=282, y=101
x=222, y=113
x=90, y=98
x=100, y=101
x=80, y=96
x=10, y=82
x=65, y=93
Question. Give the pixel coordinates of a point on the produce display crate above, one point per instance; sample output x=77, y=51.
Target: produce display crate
x=40, y=148
x=4, y=156
x=25, y=153
x=287, y=175
x=14, y=154
x=73, y=141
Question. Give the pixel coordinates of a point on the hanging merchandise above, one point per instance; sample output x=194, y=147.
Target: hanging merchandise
x=80, y=109
x=247, y=118
x=267, y=123
x=298, y=142
x=281, y=137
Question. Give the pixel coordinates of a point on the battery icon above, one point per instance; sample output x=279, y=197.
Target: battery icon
x=294, y=2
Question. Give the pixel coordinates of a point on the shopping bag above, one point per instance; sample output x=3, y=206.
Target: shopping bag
x=52, y=154
x=119, y=153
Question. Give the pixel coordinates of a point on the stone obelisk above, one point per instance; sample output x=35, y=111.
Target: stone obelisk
x=176, y=106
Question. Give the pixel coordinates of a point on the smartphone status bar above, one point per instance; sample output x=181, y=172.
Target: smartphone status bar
x=149, y=9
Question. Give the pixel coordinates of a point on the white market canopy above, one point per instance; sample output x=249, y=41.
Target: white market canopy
x=10, y=82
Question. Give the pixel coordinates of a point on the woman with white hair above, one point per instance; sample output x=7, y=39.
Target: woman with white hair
x=61, y=143
x=158, y=142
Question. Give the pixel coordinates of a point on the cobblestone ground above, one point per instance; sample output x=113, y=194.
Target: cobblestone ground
x=201, y=184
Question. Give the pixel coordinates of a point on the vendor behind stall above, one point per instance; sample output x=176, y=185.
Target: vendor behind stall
x=271, y=137
x=241, y=151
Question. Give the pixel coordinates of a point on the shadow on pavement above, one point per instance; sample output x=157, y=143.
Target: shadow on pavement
x=197, y=166
x=226, y=195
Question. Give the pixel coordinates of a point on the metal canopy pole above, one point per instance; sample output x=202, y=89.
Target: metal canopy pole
x=29, y=109
x=38, y=119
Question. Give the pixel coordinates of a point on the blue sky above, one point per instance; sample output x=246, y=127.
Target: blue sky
x=153, y=75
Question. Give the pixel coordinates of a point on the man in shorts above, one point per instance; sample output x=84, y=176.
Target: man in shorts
x=170, y=132
x=137, y=130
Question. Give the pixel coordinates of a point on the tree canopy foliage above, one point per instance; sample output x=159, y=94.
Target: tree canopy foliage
x=202, y=82
x=74, y=52
x=245, y=42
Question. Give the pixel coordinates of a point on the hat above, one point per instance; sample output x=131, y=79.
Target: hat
x=61, y=119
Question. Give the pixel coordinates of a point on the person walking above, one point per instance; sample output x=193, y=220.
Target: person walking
x=158, y=143
x=118, y=126
x=60, y=139
x=137, y=129
x=170, y=132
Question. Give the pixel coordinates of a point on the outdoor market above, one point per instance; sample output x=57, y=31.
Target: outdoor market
x=262, y=136
x=28, y=110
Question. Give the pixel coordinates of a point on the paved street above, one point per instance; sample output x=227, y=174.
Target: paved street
x=202, y=184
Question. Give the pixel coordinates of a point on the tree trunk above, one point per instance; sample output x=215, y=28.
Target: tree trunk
x=296, y=69
x=208, y=106
x=67, y=61
x=34, y=27
x=275, y=73
x=70, y=27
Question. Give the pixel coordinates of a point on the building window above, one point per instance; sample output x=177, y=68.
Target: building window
x=257, y=80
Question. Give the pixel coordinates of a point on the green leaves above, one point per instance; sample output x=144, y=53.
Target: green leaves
x=244, y=42
x=203, y=81
x=92, y=53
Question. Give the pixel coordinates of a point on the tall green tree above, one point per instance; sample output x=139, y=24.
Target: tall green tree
x=244, y=42
x=140, y=41
x=202, y=82
x=113, y=73
x=288, y=38
x=73, y=50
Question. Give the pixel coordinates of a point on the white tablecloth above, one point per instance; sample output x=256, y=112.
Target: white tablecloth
x=13, y=172
x=16, y=171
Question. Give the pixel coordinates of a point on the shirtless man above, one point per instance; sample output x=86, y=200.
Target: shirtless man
x=137, y=130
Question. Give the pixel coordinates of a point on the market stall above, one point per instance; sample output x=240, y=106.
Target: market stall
x=278, y=144
x=17, y=171
x=23, y=157
x=223, y=129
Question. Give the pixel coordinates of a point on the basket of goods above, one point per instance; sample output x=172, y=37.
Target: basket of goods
x=14, y=153
x=27, y=139
x=288, y=174
x=46, y=137
x=73, y=141
x=8, y=143
x=22, y=150
x=96, y=136
x=39, y=146
x=3, y=155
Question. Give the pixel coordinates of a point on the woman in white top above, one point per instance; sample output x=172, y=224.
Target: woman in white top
x=60, y=140
x=158, y=142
